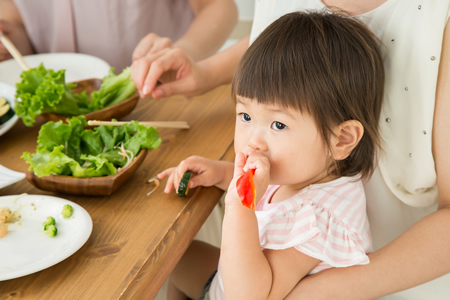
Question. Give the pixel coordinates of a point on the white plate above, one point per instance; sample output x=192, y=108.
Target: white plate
x=8, y=176
x=8, y=92
x=78, y=66
x=26, y=249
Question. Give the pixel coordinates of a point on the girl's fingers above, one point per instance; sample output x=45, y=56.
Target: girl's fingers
x=165, y=173
x=169, y=184
x=239, y=163
x=256, y=161
x=197, y=165
x=199, y=179
x=182, y=168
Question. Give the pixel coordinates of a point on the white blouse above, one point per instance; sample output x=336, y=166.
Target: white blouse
x=403, y=188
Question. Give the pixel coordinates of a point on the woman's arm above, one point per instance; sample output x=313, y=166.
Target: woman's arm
x=9, y=12
x=422, y=252
x=190, y=78
x=11, y=25
x=213, y=23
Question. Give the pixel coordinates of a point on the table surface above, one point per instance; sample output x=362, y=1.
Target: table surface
x=136, y=239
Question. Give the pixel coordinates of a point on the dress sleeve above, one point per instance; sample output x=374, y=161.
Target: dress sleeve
x=312, y=230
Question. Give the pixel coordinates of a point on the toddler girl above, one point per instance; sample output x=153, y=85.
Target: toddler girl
x=308, y=96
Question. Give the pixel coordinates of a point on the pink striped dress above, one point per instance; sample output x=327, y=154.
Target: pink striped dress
x=326, y=221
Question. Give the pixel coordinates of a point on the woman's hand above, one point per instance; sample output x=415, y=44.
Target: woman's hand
x=18, y=36
x=151, y=44
x=254, y=161
x=174, y=69
x=206, y=172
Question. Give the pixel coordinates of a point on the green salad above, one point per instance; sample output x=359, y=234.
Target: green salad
x=44, y=90
x=69, y=149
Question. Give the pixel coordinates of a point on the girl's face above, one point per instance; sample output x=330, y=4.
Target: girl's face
x=289, y=139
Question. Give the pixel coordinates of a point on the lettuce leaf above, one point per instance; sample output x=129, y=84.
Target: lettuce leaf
x=44, y=90
x=114, y=89
x=69, y=149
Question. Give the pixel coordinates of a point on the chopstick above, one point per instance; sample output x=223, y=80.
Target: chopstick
x=161, y=124
x=13, y=51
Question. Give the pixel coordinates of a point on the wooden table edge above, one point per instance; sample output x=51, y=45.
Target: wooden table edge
x=139, y=287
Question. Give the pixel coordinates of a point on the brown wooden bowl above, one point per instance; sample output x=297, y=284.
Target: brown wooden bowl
x=116, y=111
x=86, y=186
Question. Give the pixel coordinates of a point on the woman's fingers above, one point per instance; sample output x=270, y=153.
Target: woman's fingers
x=160, y=44
x=139, y=71
x=150, y=44
x=170, y=66
x=143, y=47
x=170, y=60
x=181, y=86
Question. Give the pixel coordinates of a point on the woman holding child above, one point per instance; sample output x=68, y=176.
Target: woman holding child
x=408, y=196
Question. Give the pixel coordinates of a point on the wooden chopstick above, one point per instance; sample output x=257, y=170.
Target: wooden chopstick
x=161, y=124
x=13, y=51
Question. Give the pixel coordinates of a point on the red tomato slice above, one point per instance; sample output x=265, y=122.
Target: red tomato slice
x=246, y=189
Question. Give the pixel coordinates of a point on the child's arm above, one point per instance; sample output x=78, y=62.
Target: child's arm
x=247, y=271
x=206, y=173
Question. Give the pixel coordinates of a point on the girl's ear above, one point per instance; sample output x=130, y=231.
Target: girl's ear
x=347, y=136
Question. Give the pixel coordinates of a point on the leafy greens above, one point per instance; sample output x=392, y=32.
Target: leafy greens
x=44, y=90
x=68, y=149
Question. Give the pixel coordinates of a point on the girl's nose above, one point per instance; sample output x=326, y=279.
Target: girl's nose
x=257, y=140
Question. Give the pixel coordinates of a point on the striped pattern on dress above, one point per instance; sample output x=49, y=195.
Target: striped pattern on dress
x=326, y=221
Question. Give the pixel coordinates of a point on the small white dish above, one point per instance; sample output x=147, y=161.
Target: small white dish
x=78, y=66
x=26, y=249
x=8, y=177
x=9, y=93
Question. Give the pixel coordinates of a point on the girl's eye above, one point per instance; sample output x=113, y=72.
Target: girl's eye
x=278, y=126
x=246, y=118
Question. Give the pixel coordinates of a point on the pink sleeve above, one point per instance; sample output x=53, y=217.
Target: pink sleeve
x=312, y=230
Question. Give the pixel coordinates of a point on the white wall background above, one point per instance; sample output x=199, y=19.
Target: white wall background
x=246, y=9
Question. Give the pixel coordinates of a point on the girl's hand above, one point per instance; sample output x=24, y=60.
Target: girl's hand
x=206, y=172
x=255, y=161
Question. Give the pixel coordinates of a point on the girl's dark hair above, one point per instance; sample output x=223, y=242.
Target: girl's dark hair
x=327, y=65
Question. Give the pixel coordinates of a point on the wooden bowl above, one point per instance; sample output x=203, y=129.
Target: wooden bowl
x=116, y=111
x=86, y=186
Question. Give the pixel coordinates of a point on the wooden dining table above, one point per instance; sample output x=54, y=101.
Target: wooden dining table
x=136, y=239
